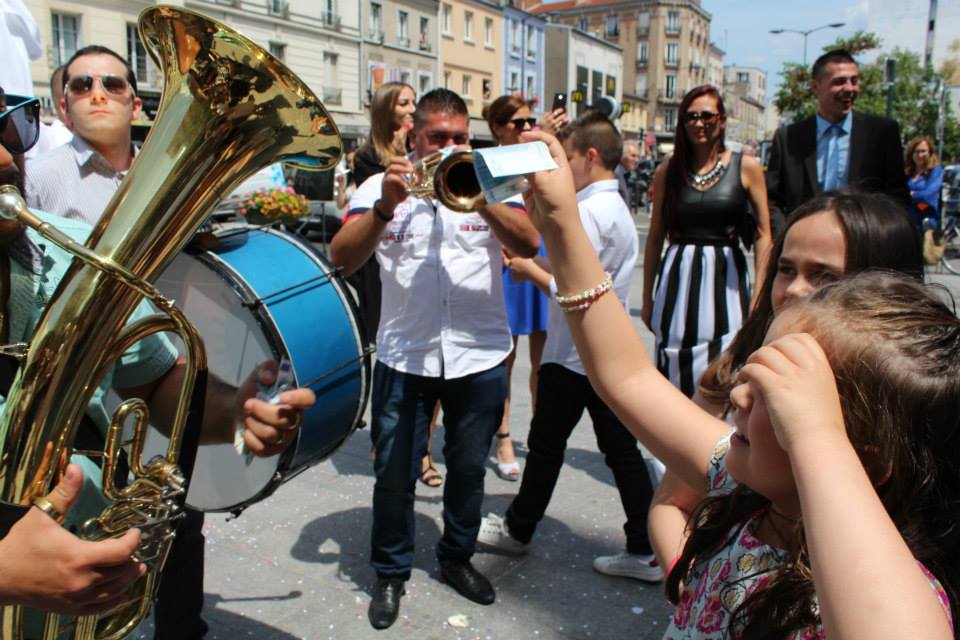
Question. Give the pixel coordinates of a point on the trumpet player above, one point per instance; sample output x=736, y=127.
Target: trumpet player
x=443, y=335
x=41, y=564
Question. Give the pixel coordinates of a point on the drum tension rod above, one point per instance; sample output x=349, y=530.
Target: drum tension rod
x=256, y=302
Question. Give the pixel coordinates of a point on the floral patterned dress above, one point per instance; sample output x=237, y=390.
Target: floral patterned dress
x=720, y=584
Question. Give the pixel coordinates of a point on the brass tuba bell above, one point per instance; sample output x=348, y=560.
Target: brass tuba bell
x=228, y=109
x=449, y=177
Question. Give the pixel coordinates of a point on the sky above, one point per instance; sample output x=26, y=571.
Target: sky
x=742, y=28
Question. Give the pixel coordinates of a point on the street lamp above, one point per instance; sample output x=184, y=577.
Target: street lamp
x=833, y=25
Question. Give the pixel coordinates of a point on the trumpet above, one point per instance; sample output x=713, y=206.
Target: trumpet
x=450, y=178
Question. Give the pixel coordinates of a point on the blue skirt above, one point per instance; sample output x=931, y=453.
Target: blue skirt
x=526, y=305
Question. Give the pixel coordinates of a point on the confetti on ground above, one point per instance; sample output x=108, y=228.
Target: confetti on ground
x=459, y=620
x=636, y=610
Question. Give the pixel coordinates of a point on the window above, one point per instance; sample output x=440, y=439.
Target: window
x=641, y=86
x=531, y=89
x=447, y=10
x=465, y=88
x=424, y=82
x=403, y=28
x=673, y=23
x=515, y=43
x=332, y=93
x=611, y=88
x=278, y=8
x=514, y=82
x=671, y=90
x=468, y=25
x=531, y=42
x=583, y=79
x=329, y=14
x=613, y=26
x=66, y=37
x=670, y=119
x=597, y=88
x=643, y=52
x=406, y=77
x=743, y=76
x=488, y=32
x=487, y=89
x=278, y=50
x=583, y=24
x=424, y=33
x=376, y=21
x=446, y=79
x=643, y=24
x=143, y=67
x=673, y=54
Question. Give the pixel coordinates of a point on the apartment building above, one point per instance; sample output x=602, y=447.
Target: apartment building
x=317, y=40
x=715, y=66
x=745, y=96
x=523, y=56
x=582, y=66
x=471, y=55
x=401, y=44
x=665, y=47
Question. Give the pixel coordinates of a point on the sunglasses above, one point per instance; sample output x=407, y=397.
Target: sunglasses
x=520, y=122
x=706, y=117
x=113, y=85
x=20, y=123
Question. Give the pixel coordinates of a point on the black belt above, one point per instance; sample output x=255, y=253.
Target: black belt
x=729, y=241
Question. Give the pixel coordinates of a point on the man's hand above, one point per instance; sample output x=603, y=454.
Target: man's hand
x=44, y=566
x=394, y=188
x=270, y=428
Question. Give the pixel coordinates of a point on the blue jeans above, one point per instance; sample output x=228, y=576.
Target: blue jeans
x=401, y=407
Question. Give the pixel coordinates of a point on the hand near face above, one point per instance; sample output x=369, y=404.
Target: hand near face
x=270, y=428
x=553, y=121
x=44, y=566
x=551, y=192
x=394, y=188
x=794, y=377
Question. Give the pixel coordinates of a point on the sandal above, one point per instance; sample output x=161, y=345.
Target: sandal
x=509, y=471
x=431, y=477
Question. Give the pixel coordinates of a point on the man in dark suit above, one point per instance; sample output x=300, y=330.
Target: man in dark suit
x=836, y=147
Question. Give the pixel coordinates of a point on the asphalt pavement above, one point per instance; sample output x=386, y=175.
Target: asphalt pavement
x=296, y=564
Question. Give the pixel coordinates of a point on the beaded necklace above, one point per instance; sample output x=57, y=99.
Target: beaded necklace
x=703, y=179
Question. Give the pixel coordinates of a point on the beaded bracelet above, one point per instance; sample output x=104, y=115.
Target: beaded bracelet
x=583, y=300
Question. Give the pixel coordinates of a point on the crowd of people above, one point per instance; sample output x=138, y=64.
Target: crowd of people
x=806, y=420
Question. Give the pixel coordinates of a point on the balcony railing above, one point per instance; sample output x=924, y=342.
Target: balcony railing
x=642, y=63
x=376, y=35
x=330, y=20
x=613, y=32
x=425, y=45
x=671, y=62
x=332, y=95
x=278, y=8
x=672, y=30
x=668, y=97
x=643, y=32
x=404, y=42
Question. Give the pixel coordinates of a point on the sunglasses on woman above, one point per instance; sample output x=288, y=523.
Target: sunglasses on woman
x=111, y=84
x=520, y=122
x=20, y=123
x=706, y=117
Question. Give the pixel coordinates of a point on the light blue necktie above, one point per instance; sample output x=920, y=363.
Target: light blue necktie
x=831, y=178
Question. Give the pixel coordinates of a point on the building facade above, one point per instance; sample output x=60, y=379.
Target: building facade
x=400, y=44
x=745, y=96
x=319, y=41
x=523, y=56
x=471, y=54
x=582, y=66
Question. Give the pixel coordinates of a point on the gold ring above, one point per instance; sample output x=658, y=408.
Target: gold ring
x=47, y=507
x=280, y=439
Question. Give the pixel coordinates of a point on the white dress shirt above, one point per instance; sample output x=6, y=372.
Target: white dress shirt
x=442, y=311
x=607, y=221
x=72, y=181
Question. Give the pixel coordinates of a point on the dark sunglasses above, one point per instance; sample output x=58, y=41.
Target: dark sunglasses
x=82, y=85
x=706, y=117
x=520, y=122
x=19, y=123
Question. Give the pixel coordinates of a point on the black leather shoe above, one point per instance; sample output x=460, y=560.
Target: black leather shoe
x=468, y=582
x=385, y=605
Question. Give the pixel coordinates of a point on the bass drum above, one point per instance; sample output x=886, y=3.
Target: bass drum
x=260, y=295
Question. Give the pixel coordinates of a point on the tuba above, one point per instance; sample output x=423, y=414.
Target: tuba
x=228, y=109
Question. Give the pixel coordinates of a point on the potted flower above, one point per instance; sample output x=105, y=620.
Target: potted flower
x=266, y=206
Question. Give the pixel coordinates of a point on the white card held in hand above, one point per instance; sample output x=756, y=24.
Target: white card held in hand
x=500, y=170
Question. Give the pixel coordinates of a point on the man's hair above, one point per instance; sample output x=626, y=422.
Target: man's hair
x=439, y=101
x=837, y=55
x=594, y=130
x=53, y=77
x=96, y=49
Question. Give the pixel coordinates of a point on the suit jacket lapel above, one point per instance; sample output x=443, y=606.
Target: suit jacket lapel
x=809, y=136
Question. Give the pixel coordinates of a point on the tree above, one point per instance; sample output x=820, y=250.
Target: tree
x=915, y=104
x=950, y=69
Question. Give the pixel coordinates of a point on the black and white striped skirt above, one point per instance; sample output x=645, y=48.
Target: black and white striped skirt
x=703, y=296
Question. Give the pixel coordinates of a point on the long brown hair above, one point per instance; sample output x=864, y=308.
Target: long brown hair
x=878, y=234
x=382, y=125
x=501, y=110
x=679, y=163
x=909, y=166
x=894, y=347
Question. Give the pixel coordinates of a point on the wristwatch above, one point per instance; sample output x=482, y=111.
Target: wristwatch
x=377, y=212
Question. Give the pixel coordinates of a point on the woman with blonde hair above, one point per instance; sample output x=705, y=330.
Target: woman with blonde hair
x=391, y=119
x=508, y=117
x=924, y=178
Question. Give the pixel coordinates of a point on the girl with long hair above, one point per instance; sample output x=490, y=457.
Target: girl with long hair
x=833, y=505
x=701, y=198
x=924, y=178
x=391, y=119
x=508, y=116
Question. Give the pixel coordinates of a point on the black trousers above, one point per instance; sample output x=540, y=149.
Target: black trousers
x=180, y=596
x=562, y=395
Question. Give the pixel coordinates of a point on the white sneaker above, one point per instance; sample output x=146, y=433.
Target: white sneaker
x=494, y=533
x=630, y=565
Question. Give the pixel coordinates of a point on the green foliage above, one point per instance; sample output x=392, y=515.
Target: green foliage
x=914, y=104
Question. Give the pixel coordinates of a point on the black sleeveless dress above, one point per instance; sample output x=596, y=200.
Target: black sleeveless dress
x=703, y=292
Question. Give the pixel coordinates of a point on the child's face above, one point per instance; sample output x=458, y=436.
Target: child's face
x=756, y=458
x=814, y=254
x=579, y=165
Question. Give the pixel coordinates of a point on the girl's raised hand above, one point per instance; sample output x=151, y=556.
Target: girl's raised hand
x=794, y=377
x=551, y=197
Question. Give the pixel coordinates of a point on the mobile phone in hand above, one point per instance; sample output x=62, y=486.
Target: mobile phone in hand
x=559, y=101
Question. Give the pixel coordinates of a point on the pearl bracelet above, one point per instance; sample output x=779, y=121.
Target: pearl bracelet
x=583, y=300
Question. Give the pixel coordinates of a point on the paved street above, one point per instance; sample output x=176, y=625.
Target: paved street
x=295, y=565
